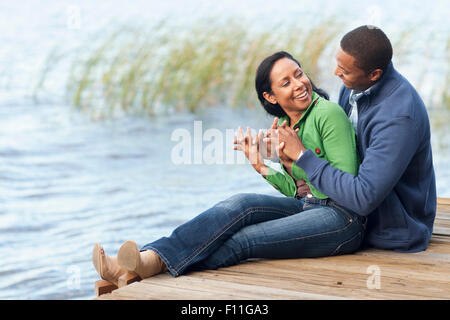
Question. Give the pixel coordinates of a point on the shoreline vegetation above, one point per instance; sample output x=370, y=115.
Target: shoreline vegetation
x=152, y=70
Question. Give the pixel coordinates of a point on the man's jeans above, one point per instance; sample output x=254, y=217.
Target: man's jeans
x=260, y=226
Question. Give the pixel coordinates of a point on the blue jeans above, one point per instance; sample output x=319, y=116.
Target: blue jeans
x=260, y=226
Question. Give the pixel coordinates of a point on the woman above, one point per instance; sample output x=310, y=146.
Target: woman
x=261, y=226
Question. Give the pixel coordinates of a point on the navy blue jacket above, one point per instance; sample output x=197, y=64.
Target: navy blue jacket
x=395, y=186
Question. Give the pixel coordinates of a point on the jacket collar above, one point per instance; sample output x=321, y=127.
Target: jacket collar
x=383, y=87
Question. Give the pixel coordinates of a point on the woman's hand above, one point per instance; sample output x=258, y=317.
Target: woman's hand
x=250, y=146
x=271, y=141
x=268, y=142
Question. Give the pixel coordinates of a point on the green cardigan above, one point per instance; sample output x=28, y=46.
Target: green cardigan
x=326, y=130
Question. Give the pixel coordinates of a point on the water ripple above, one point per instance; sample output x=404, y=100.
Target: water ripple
x=67, y=182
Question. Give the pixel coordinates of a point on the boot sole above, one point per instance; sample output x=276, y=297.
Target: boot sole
x=129, y=257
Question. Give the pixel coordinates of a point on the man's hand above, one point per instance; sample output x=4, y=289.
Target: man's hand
x=302, y=188
x=290, y=143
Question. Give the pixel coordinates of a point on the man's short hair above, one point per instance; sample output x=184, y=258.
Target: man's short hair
x=369, y=46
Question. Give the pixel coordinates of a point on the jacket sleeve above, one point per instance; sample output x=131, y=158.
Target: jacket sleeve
x=391, y=148
x=282, y=182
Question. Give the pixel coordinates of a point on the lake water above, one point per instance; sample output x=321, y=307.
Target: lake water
x=67, y=181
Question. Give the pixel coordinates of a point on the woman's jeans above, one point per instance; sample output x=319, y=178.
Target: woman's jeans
x=260, y=226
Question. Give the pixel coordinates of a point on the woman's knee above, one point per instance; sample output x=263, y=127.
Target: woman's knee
x=240, y=201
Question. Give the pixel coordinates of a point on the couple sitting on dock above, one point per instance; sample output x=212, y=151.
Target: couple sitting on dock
x=355, y=174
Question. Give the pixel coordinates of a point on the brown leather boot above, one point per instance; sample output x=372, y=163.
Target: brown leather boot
x=107, y=267
x=145, y=264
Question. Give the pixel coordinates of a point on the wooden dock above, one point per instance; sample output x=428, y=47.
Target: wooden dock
x=368, y=274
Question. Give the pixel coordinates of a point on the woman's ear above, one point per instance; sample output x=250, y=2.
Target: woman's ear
x=269, y=97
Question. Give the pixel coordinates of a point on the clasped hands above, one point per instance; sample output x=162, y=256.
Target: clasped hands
x=283, y=139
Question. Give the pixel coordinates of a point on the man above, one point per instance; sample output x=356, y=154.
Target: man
x=395, y=186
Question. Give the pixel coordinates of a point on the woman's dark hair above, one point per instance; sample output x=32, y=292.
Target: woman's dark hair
x=264, y=84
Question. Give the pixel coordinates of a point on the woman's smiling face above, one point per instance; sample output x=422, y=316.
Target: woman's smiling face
x=291, y=88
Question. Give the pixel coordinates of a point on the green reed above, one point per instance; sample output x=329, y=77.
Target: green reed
x=160, y=69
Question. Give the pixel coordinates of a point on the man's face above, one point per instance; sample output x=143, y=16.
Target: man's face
x=352, y=76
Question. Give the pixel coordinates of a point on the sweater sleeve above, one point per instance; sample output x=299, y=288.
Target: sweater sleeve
x=391, y=148
x=282, y=182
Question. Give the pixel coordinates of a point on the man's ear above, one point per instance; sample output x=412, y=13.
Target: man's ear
x=375, y=75
x=269, y=98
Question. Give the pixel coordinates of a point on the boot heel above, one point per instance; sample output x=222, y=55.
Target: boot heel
x=103, y=287
x=128, y=278
x=129, y=257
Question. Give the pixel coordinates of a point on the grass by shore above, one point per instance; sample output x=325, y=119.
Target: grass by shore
x=152, y=70
x=158, y=69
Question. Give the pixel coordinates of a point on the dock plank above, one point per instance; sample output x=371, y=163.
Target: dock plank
x=340, y=282
x=411, y=276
